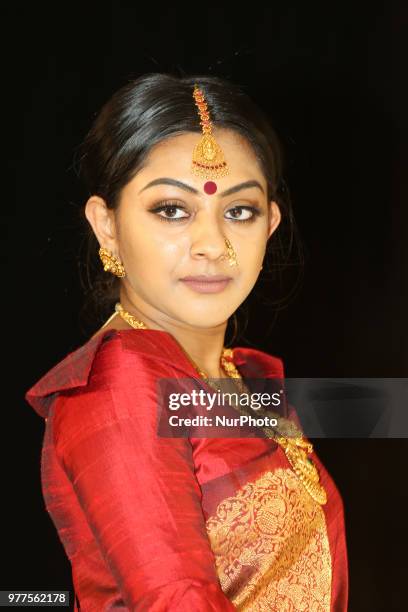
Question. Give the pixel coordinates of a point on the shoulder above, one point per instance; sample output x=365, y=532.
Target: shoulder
x=116, y=404
x=258, y=364
x=108, y=359
x=69, y=373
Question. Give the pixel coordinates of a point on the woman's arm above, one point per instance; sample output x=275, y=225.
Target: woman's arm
x=138, y=492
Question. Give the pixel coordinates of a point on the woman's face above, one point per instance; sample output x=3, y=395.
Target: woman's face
x=165, y=232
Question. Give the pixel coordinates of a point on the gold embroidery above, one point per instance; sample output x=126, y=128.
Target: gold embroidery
x=271, y=546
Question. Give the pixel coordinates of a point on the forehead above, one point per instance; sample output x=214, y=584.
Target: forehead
x=173, y=157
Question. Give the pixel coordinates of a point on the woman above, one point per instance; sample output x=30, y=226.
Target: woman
x=183, y=177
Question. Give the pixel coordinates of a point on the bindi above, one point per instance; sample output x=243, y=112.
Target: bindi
x=210, y=187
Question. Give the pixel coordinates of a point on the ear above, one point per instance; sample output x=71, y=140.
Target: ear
x=102, y=220
x=274, y=217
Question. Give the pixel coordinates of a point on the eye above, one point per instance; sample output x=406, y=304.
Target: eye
x=170, y=211
x=243, y=213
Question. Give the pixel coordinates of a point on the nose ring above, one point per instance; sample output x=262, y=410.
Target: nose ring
x=232, y=257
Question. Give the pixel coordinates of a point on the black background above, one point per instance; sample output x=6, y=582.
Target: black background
x=332, y=77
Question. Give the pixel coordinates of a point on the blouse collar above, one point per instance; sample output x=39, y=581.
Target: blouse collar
x=73, y=371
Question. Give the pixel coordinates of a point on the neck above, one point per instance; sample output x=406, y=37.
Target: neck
x=202, y=345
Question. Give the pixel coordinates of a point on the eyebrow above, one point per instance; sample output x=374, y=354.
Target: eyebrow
x=185, y=187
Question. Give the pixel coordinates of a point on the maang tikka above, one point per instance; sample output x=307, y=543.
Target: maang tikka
x=208, y=158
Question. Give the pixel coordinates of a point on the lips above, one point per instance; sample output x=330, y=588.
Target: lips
x=207, y=283
x=209, y=278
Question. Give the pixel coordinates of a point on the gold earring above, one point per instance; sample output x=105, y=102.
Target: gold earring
x=232, y=257
x=111, y=263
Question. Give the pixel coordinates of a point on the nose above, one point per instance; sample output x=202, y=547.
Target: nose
x=207, y=238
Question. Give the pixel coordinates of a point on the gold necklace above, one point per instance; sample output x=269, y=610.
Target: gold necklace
x=129, y=318
x=296, y=448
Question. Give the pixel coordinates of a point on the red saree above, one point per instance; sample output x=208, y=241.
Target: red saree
x=183, y=524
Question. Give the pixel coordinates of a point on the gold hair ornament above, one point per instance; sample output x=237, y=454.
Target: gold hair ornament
x=208, y=158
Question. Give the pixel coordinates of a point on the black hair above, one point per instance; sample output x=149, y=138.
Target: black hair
x=149, y=110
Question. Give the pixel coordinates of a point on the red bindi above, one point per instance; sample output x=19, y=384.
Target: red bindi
x=210, y=187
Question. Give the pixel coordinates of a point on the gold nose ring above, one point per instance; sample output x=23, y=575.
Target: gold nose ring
x=232, y=257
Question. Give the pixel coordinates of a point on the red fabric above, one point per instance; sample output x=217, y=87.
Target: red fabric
x=130, y=507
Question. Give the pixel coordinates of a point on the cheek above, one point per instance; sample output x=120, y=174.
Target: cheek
x=145, y=251
x=133, y=245
x=253, y=249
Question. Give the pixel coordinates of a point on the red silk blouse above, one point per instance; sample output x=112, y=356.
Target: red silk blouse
x=185, y=524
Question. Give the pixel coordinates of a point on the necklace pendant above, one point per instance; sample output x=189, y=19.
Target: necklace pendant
x=303, y=467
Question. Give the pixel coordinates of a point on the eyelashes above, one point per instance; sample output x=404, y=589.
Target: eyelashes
x=170, y=207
